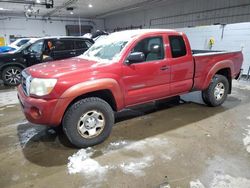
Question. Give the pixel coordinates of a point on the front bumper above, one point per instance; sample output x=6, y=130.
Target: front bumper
x=41, y=111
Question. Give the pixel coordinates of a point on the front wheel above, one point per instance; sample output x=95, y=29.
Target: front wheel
x=217, y=91
x=88, y=122
x=11, y=75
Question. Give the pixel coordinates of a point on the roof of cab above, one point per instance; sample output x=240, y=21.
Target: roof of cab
x=146, y=31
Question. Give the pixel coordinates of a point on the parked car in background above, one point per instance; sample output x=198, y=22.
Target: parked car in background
x=16, y=44
x=122, y=70
x=38, y=51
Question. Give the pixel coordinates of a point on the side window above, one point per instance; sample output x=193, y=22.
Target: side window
x=36, y=47
x=177, y=45
x=64, y=44
x=151, y=47
x=80, y=44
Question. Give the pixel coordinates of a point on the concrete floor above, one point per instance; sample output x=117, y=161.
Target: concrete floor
x=157, y=146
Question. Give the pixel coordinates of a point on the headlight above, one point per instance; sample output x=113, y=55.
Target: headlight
x=41, y=87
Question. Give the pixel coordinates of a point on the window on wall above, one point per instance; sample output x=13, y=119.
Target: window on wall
x=177, y=45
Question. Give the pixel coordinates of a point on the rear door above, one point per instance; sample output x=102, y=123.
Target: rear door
x=147, y=80
x=64, y=48
x=182, y=65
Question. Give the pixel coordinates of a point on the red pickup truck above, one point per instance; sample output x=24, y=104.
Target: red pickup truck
x=124, y=69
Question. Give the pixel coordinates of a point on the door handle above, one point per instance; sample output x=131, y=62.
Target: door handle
x=73, y=53
x=164, y=67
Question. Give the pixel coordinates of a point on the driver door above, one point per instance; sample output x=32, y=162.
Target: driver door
x=147, y=80
x=34, y=53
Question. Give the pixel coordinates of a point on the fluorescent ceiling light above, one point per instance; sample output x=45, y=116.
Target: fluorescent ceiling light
x=90, y=5
x=3, y=9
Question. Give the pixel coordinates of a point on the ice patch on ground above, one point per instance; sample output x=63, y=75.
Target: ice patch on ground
x=8, y=98
x=166, y=157
x=15, y=178
x=241, y=85
x=81, y=162
x=27, y=135
x=136, y=167
x=196, y=184
x=149, y=142
x=227, y=181
x=246, y=140
x=115, y=146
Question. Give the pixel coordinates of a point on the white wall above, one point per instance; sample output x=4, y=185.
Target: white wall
x=182, y=13
x=39, y=28
x=235, y=37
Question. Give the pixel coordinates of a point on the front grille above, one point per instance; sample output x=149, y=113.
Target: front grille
x=25, y=82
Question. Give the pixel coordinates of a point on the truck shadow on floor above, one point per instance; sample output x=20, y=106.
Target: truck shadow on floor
x=47, y=147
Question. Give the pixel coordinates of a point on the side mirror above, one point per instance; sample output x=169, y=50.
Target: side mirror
x=135, y=57
x=25, y=52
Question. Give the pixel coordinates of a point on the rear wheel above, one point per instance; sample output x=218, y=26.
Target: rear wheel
x=217, y=91
x=11, y=76
x=88, y=122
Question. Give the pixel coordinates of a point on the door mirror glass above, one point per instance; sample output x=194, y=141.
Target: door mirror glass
x=25, y=52
x=135, y=57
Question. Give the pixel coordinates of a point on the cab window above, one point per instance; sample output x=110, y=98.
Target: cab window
x=177, y=45
x=152, y=48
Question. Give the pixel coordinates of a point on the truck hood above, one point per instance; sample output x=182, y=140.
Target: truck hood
x=57, y=69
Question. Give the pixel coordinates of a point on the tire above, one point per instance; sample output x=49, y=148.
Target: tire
x=217, y=91
x=11, y=76
x=86, y=117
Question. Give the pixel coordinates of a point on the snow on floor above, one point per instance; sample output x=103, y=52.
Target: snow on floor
x=136, y=167
x=227, y=181
x=242, y=84
x=82, y=161
x=246, y=139
x=223, y=181
x=196, y=184
x=8, y=98
x=27, y=135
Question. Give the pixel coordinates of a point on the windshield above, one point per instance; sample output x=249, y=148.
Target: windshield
x=105, y=49
x=22, y=42
x=26, y=45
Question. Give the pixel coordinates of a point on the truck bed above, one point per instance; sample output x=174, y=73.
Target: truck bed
x=206, y=62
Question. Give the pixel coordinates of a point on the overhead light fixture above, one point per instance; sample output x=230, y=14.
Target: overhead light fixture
x=71, y=9
x=30, y=11
x=38, y=1
x=4, y=9
x=90, y=5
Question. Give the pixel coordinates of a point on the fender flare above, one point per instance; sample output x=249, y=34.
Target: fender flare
x=227, y=64
x=87, y=87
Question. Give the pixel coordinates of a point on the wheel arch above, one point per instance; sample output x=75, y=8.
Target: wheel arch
x=106, y=89
x=4, y=66
x=224, y=68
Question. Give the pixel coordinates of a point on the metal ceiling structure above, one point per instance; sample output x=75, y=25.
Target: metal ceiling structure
x=81, y=8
